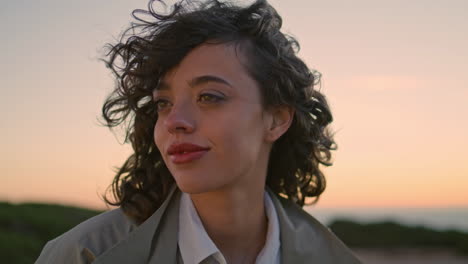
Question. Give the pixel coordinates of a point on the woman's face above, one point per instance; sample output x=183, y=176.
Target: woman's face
x=211, y=125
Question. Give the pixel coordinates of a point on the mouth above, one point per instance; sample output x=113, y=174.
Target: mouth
x=186, y=152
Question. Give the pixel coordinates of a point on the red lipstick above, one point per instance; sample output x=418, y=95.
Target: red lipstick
x=186, y=152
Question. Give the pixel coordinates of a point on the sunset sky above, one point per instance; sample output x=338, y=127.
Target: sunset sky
x=395, y=74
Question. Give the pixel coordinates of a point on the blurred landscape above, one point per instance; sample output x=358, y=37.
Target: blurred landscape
x=394, y=73
x=25, y=228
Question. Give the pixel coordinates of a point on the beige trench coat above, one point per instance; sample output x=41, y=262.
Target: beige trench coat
x=111, y=238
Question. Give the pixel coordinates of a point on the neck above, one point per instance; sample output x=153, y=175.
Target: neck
x=235, y=221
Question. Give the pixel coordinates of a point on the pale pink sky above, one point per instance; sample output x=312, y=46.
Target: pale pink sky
x=395, y=73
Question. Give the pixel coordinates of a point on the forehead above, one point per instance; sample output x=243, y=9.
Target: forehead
x=225, y=61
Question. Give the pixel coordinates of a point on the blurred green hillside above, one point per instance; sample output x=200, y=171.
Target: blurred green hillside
x=25, y=229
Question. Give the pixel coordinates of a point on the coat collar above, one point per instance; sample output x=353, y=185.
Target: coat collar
x=303, y=238
x=157, y=235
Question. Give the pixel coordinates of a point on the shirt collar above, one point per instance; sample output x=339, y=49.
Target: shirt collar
x=194, y=243
x=191, y=229
x=270, y=252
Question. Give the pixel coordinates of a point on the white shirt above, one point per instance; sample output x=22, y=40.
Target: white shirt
x=195, y=245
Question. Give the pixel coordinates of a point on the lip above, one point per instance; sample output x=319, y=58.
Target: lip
x=186, y=152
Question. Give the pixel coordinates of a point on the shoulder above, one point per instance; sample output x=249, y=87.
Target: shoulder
x=312, y=238
x=88, y=239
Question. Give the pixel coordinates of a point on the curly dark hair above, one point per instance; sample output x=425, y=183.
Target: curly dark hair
x=157, y=42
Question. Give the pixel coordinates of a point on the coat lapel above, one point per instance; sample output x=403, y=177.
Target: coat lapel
x=306, y=240
x=165, y=243
x=143, y=243
x=290, y=252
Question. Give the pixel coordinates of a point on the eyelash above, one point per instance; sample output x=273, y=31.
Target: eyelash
x=212, y=98
x=209, y=99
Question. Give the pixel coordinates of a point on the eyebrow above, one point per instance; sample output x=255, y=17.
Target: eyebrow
x=196, y=81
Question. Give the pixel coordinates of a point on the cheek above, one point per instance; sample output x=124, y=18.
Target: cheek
x=158, y=136
x=244, y=138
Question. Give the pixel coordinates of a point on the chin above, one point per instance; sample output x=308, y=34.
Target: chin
x=191, y=187
x=196, y=186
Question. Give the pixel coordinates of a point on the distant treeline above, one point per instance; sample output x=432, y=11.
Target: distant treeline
x=394, y=235
x=25, y=228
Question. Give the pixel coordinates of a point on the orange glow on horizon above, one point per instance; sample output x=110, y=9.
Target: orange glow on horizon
x=394, y=75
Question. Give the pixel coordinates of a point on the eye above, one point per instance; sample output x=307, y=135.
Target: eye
x=210, y=98
x=162, y=104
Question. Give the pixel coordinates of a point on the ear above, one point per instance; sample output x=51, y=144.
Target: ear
x=279, y=122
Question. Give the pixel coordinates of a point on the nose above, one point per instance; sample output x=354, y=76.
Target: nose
x=180, y=119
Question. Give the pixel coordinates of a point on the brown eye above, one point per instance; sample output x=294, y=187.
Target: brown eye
x=162, y=104
x=210, y=98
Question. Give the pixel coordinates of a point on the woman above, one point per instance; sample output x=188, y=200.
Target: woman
x=228, y=133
